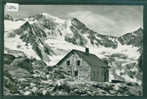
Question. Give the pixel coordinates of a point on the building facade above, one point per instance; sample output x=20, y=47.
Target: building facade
x=85, y=66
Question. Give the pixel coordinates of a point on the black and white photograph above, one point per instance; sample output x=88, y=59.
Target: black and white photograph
x=73, y=50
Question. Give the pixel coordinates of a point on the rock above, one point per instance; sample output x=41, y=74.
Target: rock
x=27, y=93
x=15, y=53
x=8, y=58
x=23, y=63
x=135, y=38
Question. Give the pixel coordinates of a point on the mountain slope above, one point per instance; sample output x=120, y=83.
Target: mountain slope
x=49, y=39
x=135, y=38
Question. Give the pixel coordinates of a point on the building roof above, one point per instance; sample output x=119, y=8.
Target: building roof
x=91, y=59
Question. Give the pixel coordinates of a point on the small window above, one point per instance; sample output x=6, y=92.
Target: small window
x=78, y=62
x=69, y=72
x=76, y=73
x=68, y=62
x=105, y=75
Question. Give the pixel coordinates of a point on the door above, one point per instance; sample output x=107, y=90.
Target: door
x=94, y=75
x=106, y=75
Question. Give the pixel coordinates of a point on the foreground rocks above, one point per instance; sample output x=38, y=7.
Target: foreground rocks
x=65, y=87
x=23, y=76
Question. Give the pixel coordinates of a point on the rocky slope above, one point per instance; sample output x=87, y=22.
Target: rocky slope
x=36, y=80
x=135, y=38
x=42, y=40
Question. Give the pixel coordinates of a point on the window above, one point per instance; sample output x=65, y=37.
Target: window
x=69, y=72
x=105, y=75
x=78, y=62
x=68, y=62
x=76, y=73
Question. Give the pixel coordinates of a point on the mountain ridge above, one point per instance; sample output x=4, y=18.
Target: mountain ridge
x=51, y=41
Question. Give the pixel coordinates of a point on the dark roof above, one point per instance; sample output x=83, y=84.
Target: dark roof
x=91, y=59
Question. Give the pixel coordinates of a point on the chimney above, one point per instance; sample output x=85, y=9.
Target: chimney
x=87, y=50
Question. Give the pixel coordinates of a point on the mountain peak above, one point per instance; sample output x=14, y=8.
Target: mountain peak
x=140, y=29
x=45, y=14
x=132, y=38
x=8, y=17
x=76, y=22
x=27, y=23
x=56, y=19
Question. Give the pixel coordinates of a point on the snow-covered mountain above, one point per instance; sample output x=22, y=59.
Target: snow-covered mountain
x=135, y=38
x=50, y=38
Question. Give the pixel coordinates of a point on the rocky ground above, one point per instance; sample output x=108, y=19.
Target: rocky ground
x=38, y=80
x=34, y=44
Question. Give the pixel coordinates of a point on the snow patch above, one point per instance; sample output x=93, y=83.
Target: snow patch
x=57, y=20
x=12, y=25
x=15, y=42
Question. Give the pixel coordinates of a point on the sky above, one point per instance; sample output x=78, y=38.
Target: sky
x=105, y=19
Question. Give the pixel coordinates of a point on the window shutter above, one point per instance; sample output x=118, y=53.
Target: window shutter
x=78, y=62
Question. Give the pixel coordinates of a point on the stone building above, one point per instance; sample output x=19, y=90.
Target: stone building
x=84, y=66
